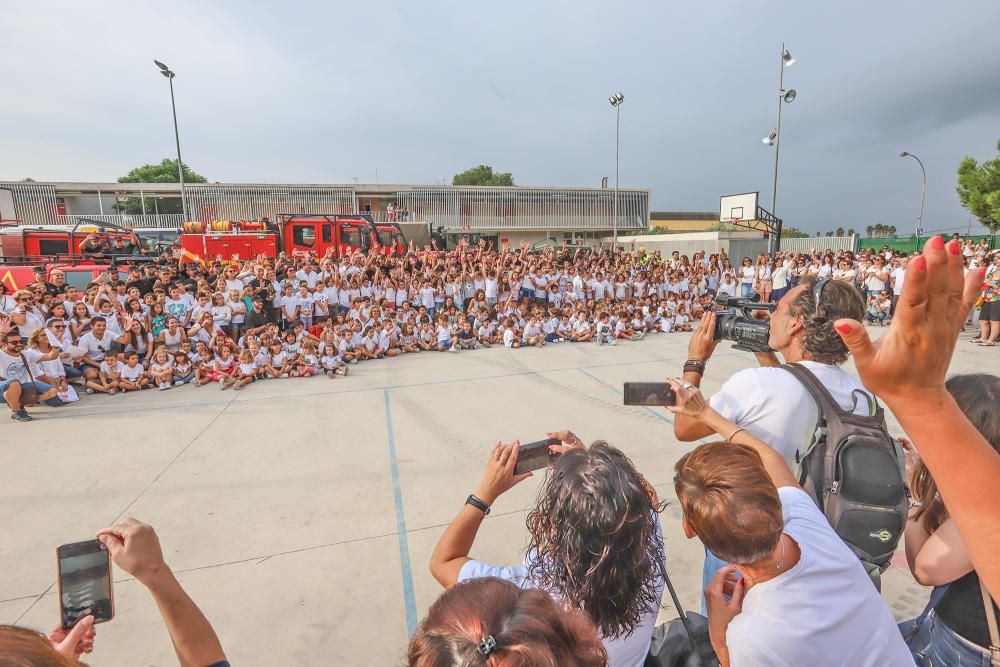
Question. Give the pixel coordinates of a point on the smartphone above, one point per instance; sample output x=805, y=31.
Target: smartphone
x=649, y=393
x=84, y=582
x=535, y=455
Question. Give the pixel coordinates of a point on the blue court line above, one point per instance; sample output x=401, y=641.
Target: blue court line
x=409, y=599
x=659, y=416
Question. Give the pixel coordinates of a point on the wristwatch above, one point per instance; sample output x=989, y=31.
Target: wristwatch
x=478, y=504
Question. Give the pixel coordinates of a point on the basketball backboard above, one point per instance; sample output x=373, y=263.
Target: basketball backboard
x=738, y=208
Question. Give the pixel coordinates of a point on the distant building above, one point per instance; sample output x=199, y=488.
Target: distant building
x=677, y=222
x=516, y=213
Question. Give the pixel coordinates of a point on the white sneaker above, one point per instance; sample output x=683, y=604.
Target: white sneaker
x=614, y=342
x=179, y=383
x=162, y=386
x=284, y=375
x=89, y=390
x=453, y=349
x=329, y=374
x=167, y=385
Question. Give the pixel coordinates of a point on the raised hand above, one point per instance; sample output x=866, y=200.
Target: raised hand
x=911, y=359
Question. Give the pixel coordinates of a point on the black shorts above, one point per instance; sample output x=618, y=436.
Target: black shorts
x=990, y=312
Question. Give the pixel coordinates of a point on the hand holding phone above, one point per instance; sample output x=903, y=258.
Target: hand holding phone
x=649, y=393
x=85, y=589
x=536, y=455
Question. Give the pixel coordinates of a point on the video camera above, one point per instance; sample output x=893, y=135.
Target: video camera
x=749, y=333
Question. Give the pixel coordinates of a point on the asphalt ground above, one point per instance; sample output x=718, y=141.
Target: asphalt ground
x=301, y=514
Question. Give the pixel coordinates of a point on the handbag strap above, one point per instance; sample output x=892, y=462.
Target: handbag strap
x=991, y=621
x=706, y=661
x=27, y=367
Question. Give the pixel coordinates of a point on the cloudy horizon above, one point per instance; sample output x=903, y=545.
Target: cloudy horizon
x=326, y=92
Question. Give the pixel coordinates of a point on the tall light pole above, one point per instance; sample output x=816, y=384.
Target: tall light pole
x=616, y=101
x=923, y=190
x=774, y=139
x=165, y=71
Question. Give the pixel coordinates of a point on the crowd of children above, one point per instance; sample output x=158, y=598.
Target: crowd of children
x=231, y=323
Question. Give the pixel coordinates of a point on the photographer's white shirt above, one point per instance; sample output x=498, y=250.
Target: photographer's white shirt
x=824, y=611
x=774, y=406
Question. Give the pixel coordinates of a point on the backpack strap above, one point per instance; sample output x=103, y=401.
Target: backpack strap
x=813, y=386
x=991, y=623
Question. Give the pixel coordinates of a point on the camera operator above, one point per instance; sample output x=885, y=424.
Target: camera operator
x=768, y=401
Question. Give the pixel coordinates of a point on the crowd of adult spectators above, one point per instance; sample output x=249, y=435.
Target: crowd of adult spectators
x=781, y=587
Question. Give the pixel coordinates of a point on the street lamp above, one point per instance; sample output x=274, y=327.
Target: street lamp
x=165, y=71
x=923, y=191
x=616, y=101
x=774, y=139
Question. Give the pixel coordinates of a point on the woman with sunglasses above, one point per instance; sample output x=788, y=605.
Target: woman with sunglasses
x=26, y=316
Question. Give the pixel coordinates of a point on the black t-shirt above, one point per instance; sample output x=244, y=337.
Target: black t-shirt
x=961, y=609
x=51, y=289
x=145, y=285
x=465, y=336
x=253, y=319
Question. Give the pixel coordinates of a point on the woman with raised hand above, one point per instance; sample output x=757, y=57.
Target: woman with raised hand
x=596, y=543
x=906, y=368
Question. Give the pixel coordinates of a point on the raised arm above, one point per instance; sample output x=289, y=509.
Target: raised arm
x=135, y=548
x=692, y=403
x=906, y=368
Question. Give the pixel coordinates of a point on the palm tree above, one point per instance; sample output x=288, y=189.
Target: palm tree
x=879, y=228
x=892, y=230
x=869, y=229
x=851, y=232
x=829, y=233
x=839, y=232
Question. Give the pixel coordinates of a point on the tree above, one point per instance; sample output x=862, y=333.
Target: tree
x=793, y=233
x=829, y=233
x=869, y=229
x=891, y=231
x=164, y=172
x=979, y=190
x=482, y=175
x=29, y=179
x=851, y=232
x=819, y=234
x=840, y=231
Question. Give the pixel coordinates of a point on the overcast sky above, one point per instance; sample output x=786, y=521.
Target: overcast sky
x=321, y=92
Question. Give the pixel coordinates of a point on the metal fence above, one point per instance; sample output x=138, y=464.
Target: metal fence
x=208, y=202
x=33, y=203
x=500, y=208
x=821, y=243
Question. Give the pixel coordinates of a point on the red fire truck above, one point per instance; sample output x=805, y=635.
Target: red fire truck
x=296, y=234
x=22, y=249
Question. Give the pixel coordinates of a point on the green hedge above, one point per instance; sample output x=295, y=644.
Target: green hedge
x=913, y=243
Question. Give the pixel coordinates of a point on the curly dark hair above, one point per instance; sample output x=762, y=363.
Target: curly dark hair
x=595, y=540
x=819, y=338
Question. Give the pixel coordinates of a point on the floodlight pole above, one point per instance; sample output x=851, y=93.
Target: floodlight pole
x=177, y=138
x=923, y=190
x=614, y=222
x=777, y=138
x=169, y=74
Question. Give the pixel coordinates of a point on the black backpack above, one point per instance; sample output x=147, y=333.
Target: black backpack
x=854, y=471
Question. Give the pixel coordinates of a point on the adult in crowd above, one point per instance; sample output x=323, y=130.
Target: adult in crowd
x=989, y=312
x=783, y=560
x=953, y=629
x=769, y=401
x=16, y=376
x=596, y=542
x=906, y=368
x=489, y=621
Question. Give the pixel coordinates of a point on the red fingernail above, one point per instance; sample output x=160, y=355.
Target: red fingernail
x=937, y=243
x=919, y=263
x=843, y=328
x=955, y=248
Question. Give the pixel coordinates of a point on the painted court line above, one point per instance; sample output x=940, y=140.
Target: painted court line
x=404, y=549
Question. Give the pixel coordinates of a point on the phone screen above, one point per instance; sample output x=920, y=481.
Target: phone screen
x=649, y=393
x=84, y=582
x=535, y=455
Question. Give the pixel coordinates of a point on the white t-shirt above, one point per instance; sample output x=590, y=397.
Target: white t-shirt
x=898, y=274
x=823, y=611
x=96, y=347
x=773, y=405
x=625, y=651
x=13, y=368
